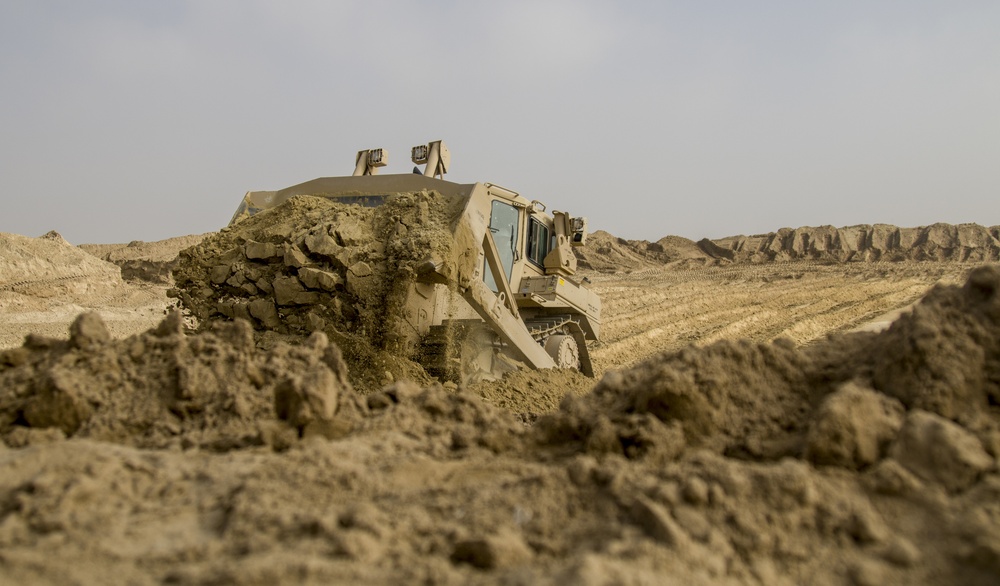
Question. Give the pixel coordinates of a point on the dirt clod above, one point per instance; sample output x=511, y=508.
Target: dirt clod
x=853, y=427
x=941, y=451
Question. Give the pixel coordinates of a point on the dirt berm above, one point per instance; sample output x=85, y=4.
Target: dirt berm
x=862, y=243
x=866, y=458
x=866, y=242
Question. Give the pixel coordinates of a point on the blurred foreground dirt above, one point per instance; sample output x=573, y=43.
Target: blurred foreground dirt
x=707, y=452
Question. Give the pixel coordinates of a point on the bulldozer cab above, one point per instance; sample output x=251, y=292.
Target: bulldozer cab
x=528, y=240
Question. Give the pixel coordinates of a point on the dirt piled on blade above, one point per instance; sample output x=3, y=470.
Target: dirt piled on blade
x=312, y=264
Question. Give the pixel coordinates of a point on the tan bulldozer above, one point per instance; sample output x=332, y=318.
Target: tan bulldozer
x=491, y=282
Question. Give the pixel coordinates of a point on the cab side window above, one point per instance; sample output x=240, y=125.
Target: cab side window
x=539, y=242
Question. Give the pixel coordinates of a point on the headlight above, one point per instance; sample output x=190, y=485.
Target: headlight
x=419, y=154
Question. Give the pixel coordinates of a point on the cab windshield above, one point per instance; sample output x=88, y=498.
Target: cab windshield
x=503, y=226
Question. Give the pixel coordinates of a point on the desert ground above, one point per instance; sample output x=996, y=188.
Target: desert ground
x=817, y=406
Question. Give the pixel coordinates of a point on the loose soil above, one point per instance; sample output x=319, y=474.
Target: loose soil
x=739, y=432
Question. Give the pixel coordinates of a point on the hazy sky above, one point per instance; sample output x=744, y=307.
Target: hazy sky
x=128, y=120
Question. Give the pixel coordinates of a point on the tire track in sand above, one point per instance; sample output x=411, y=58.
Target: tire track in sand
x=657, y=311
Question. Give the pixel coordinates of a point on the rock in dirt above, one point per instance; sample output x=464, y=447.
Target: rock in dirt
x=88, y=331
x=853, y=427
x=941, y=451
x=659, y=524
x=311, y=397
x=502, y=550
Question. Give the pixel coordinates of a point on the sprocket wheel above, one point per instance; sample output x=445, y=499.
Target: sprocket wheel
x=564, y=351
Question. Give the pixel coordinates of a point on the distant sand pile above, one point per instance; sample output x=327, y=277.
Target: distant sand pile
x=145, y=261
x=608, y=254
x=36, y=272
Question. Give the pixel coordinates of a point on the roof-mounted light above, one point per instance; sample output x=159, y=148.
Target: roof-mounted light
x=369, y=160
x=378, y=157
x=419, y=154
x=435, y=155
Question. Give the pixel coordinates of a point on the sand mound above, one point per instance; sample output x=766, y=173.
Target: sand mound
x=145, y=261
x=608, y=254
x=46, y=282
x=52, y=268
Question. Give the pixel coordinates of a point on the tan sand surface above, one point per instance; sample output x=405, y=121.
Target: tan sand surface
x=752, y=423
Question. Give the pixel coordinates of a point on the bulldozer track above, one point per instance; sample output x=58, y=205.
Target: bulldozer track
x=40, y=282
x=545, y=327
x=124, y=292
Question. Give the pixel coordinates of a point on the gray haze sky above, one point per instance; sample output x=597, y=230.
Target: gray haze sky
x=128, y=120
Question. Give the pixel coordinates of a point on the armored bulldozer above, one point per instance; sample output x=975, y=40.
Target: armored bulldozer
x=495, y=288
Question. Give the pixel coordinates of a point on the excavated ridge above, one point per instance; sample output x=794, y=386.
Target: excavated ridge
x=862, y=243
x=877, y=242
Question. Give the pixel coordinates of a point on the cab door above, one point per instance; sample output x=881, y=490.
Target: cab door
x=505, y=226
